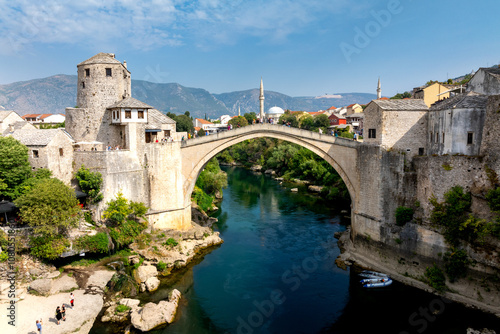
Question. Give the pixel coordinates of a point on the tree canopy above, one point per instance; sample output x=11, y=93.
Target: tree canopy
x=250, y=117
x=90, y=183
x=14, y=166
x=51, y=208
x=184, y=123
x=238, y=122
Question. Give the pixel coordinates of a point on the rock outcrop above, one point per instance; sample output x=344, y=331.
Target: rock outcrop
x=41, y=286
x=153, y=315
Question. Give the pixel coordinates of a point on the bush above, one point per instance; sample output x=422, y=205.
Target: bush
x=90, y=183
x=403, y=215
x=161, y=266
x=456, y=263
x=98, y=243
x=49, y=249
x=121, y=308
x=435, y=277
x=171, y=242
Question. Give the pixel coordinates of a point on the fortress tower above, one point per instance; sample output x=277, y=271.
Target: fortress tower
x=102, y=82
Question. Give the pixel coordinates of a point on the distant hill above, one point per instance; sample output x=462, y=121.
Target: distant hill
x=55, y=93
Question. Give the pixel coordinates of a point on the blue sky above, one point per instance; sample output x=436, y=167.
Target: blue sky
x=299, y=47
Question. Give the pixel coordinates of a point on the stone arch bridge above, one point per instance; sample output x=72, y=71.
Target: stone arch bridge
x=358, y=164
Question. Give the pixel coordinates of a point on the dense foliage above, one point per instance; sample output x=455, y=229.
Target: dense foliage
x=250, y=117
x=125, y=219
x=51, y=208
x=290, y=161
x=238, y=122
x=435, y=278
x=209, y=185
x=90, y=183
x=403, y=215
x=183, y=123
x=456, y=263
x=98, y=243
x=14, y=166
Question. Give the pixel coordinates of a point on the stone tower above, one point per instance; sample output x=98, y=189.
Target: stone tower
x=379, y=90
x=102, y=81
x=261, y=99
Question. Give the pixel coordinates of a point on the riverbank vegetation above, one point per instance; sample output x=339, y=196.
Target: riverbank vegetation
x=209, y=185
x=290, y=161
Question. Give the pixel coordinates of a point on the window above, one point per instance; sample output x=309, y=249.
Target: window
x=372, y=133
x=83, y=84
x=35, y=153
x=420, y=151
x=437, y=137
x=470, y=138
x=166, y=133
x=128, y=114
x=443, y=137
x=61, y=152
x=430, y=137
x=87, y=72
x=140, y=114
x=108, y=72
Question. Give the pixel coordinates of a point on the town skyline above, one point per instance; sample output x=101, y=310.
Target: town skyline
x=299, y=48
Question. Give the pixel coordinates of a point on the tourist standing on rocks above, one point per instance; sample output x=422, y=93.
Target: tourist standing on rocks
x=71, y=299
x=58, y=315
x=63, y=312
x=39, y=326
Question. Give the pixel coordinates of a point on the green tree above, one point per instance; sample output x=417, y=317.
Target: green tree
x=289, y=118
x=51, y=208
x=184, y=123
x=33, y=180
x=201, y=132
x=307, y=122
x=14, y=166
x=90, y=183
x=321, y=121
x=250, y=117
x=238, y=122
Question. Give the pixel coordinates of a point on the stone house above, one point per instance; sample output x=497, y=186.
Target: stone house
x=485, y=81
x=11, y=121
x=51, y=149
x=455, y=125
x=356, y=120
x=397, y=125
x=432, y=93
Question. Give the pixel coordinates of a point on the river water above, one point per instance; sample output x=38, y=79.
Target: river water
x=275, y=273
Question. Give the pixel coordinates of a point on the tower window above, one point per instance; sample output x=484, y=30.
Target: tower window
x=470, y=138
x=140, y=114
x=372, y=133
x=87, y=72
x=61, y=152
x=35, y=153
x=108, y=72
x=83, y=84
x=128, y=114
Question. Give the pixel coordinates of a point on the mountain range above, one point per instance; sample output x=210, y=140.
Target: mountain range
x=53, y=94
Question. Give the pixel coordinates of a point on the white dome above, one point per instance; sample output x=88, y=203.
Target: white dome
x=275, y=110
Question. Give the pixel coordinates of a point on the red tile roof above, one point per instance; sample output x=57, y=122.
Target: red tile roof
x=332, y=108
x=203, y=121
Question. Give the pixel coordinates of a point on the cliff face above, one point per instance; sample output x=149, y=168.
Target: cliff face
x=406, y=251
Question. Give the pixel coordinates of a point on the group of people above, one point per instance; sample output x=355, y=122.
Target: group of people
x=60, y=313
x=110, y=148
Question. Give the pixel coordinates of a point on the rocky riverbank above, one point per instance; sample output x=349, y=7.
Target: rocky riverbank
x=474, y=291
x=40, y=287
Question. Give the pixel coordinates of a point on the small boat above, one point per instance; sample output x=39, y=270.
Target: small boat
x=372, y=274
x=376, y=282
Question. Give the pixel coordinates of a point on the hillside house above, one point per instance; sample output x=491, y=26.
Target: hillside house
x=336, y=119
x=48, y=119
x=51, y=149
x=202, y=123
x=356, y=120
x=397, y=124
x=11, y=121
x=432, y=93
x=485, y=81
x=455, y=125
x=353, y=108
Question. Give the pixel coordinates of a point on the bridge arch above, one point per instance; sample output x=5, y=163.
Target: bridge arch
x=340, y=153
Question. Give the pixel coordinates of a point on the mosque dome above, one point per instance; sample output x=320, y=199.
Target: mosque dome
x=275, y=111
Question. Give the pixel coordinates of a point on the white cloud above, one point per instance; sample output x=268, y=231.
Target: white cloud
x=153, y=23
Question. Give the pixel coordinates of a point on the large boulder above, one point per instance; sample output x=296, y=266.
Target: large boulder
x=142, y=273
x=112, y=315
x=129, y=302
x=63, y=284
x=315, y=189
x=152, y=284
x=153, y=315
x=41, y=286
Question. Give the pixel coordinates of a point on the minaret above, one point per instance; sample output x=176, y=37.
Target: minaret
x=379, y=90
x=261, y=98
x=239, y=113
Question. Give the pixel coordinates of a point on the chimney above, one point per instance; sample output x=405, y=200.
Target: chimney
x=125, y=63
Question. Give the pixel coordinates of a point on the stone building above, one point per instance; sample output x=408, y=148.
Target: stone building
x=456, y=124
x=353, y=109
x=485, y=81
x=11, y=121
x=397, y=125
x=51, y=149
